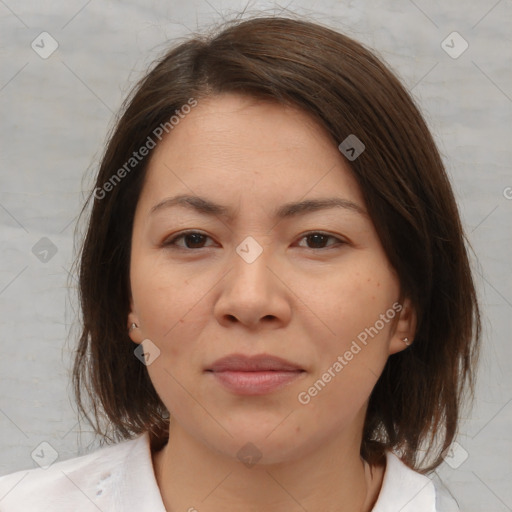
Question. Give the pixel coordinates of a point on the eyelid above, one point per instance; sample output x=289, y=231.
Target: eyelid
x=170, y=241
x=339, y=240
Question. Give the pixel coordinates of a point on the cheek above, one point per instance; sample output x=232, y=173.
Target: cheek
x=352, y=301
x=169, y=304
x=336, y=403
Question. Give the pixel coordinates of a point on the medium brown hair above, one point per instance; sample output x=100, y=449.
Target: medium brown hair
x=416, y=402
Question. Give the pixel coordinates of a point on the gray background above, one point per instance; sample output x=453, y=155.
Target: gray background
x=55, y=116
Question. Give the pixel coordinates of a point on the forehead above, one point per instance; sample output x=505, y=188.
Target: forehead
x=231, y=146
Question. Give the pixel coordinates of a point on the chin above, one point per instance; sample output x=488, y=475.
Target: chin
x=252, y=444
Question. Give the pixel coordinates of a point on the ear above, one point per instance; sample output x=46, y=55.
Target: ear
x=405, y=327
x=136, y=333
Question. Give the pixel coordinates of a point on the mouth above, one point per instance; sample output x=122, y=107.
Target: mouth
x=256, y=375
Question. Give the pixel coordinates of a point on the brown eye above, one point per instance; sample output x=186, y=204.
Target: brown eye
x=192, y=240
x=196, y=240
x=318, y=240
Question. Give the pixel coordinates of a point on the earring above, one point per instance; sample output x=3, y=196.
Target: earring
x=133, y=326
x=406, y=341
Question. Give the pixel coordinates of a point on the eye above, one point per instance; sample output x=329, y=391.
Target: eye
x=192, y=239
x=318, y=238
x=196, y=239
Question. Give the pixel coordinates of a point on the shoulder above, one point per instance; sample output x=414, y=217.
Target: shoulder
x=107, y=479
x=409, y=491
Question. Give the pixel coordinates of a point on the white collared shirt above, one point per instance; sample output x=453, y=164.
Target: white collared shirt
x=121, y=478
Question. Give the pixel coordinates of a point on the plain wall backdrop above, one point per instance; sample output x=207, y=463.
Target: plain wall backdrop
x=58, y=95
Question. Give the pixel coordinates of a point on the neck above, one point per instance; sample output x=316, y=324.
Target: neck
x=333, y=478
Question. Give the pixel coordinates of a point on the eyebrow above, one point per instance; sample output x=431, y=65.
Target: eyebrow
x=207, y=207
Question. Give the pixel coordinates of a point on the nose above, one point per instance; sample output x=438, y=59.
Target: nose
x=253, y=293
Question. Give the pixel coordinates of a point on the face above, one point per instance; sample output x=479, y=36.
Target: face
x=311, y=286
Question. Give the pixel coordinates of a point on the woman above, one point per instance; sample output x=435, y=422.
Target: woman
x=278, y=309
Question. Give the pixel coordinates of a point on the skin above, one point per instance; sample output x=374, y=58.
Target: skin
x=303, y=300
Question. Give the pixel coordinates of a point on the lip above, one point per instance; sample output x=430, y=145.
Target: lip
x=254, y=375
x=258, y=363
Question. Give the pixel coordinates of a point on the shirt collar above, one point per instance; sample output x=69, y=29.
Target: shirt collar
x=404, y=489
x=138, y=489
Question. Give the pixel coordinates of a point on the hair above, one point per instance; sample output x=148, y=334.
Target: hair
x=415, y=405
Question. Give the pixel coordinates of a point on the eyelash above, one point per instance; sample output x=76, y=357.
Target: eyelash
x=171, y=242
